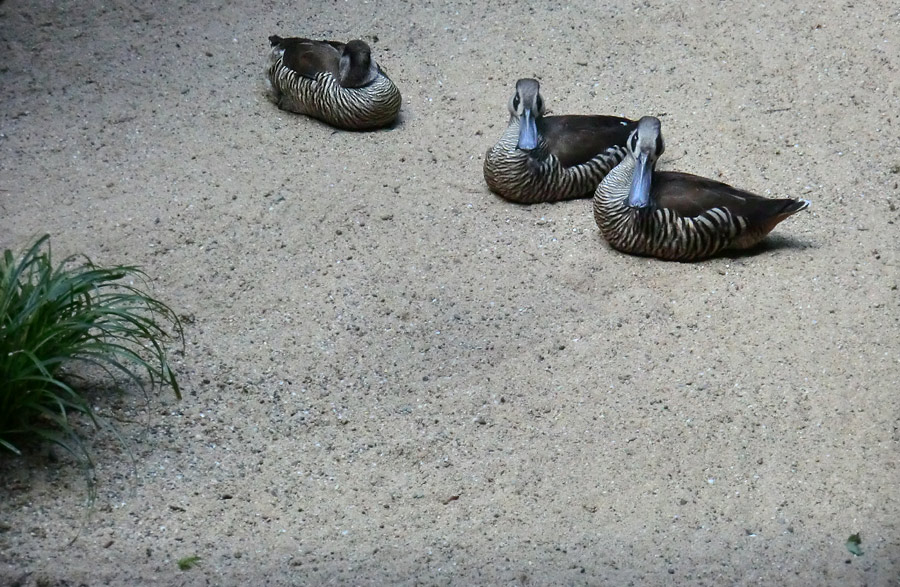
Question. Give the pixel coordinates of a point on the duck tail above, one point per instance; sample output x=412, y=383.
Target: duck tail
x=789, y=207
x=275, y=40
x=793, y=206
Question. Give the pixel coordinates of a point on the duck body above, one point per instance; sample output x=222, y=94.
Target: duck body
x=338, y=83
x=550, y=158
x=678, y=216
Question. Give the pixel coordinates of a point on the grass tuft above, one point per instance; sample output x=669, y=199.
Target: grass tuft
x=55, y=320
x=188, y=562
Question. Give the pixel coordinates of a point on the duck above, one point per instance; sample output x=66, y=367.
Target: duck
x=551, y=158
x=678, y=216
x=338, y=83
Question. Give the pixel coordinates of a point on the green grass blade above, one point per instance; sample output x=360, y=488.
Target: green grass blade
x=54, y=319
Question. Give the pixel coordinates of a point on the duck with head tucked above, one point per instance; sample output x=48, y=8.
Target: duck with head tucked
x=335, y=82
x=550, y=158
x=678, y=216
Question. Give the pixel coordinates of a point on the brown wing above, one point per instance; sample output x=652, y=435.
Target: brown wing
x=308, y=57
x=578, y=139
x=691, y=195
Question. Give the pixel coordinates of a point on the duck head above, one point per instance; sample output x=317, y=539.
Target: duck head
x=527, y=106
x=645, y=144
x=357, y=69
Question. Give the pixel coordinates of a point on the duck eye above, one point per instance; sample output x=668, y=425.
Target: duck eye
x=516, y=102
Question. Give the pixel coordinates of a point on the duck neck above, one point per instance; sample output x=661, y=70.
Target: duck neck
x=611, y=198
x=613, y=190
x=510, y=138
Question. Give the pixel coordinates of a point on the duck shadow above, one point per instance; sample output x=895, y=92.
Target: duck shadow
x=396, y=124
x=767, y=245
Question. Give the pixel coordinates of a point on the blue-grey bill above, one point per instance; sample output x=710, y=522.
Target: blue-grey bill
x=528, y=135
x=639, y=196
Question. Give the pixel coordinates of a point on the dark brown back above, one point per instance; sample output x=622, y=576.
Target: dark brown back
x=691, y=195
x=308, y=57
x=577, y=139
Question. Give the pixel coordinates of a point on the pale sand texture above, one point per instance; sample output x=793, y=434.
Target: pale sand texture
x=372, y=333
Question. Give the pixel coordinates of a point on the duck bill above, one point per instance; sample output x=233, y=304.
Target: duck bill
x=639, y=195
x=528, y=133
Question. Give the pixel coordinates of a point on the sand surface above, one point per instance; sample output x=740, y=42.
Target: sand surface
x=392, y=376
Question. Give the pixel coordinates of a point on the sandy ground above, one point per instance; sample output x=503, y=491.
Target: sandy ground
x=394, y=377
